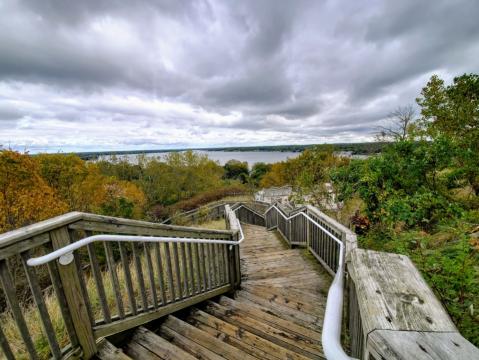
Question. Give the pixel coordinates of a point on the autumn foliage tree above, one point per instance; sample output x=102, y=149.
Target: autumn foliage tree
x=25, y=197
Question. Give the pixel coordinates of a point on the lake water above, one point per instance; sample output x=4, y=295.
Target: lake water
x=251, y=157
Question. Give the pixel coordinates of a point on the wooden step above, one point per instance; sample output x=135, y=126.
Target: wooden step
x=107, y=351
x=206, y=340
x=275, y=321
x=240, y=338
x=145, y=345
x=282, y=337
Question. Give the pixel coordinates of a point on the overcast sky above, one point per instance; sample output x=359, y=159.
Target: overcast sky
x=119, y=75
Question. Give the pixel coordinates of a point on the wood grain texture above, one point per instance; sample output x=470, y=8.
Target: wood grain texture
x=24, y=245
x=393, y=295
x=97, y=276
x=142, y=318
x=49, y=332
x=9, y=289
x=106, y=351
x=74, y=296
x=15, y=236
x=420, y=345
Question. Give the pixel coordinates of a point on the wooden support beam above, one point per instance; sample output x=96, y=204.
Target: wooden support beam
x=74, y=296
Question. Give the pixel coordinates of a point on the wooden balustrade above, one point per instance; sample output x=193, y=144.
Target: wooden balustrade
x=112, y=286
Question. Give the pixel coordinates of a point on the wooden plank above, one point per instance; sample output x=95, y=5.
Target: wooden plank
x=273, y=321
x=143, y=318
x=208, y=266
x=106, y=351
x=49, y=332
x=15, y=236
x=203, y=267
x=159, y=346
x=214, y=263
x=128, y=281
x=284, y=338
x=197, y=268
x=161, y=276
x=184, y=267
x=24, y=245
x=13, y=303
x=173, y=229
x=418, y=345
x=239, y=338
x=206, y=340
x=74, y=296
x=97, y=277
x=136, y=351
x=139, y=275
x=151, y=275
x=79, y=267
x=169, y=272
x=110, y=259
x=189, y=253
x=7, y=351
x=60, y=295
x=393, y=295
x=177, y=270
x=187, y=345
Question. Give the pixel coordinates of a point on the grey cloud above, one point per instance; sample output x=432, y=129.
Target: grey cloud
x=271, y=71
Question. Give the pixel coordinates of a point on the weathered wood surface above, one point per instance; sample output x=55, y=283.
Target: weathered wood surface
x=49, y=332
x=9, y=289
x=28, y=244
x=74, y=296
x=106, y=351
x=393, y=295
x=420, y=345
x=150, y=225
x=142, y=318
x=273, y=277
x=159, y=346
x=30, y=231
x=400, y=315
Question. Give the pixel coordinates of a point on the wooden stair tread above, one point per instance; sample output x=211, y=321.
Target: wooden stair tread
x=206, y=340
x=240, y=338
x=298, y=344
x=107, y=351
x=147, y=345
x=271, y=319
x=186, y=344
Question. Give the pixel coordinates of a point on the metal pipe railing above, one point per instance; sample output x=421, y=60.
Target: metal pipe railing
x=66, y=256
x=333, y=318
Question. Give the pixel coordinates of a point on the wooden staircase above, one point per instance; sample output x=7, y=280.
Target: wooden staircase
x=277, y=314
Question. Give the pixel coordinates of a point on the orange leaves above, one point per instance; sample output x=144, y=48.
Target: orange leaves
x=25, y=198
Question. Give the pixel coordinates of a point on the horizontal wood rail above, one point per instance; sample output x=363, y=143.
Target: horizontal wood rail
x=148, y=270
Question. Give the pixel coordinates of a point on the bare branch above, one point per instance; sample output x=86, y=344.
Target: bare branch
x=399, y=126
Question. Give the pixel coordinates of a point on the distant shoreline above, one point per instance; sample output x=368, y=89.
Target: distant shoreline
x=356, y=148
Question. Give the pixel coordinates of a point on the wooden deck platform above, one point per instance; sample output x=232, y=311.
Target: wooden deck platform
x=277, y=314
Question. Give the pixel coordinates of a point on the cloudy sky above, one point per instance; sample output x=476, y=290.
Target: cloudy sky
x=119, y=75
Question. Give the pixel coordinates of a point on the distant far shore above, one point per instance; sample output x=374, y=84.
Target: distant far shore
x=355, y=148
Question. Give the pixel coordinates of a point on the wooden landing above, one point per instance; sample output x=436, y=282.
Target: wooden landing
x=287, y=283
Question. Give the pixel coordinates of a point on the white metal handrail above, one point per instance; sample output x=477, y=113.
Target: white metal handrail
x=333, y=317
x=65, y=253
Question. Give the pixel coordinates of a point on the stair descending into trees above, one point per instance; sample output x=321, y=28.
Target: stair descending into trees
x=277, y=314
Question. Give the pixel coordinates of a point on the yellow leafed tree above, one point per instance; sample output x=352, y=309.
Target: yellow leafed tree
x=25, y=198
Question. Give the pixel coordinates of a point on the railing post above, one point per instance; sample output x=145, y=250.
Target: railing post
x=74, y=296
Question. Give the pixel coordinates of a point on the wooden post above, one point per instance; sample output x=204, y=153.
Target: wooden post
x=74, y=296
